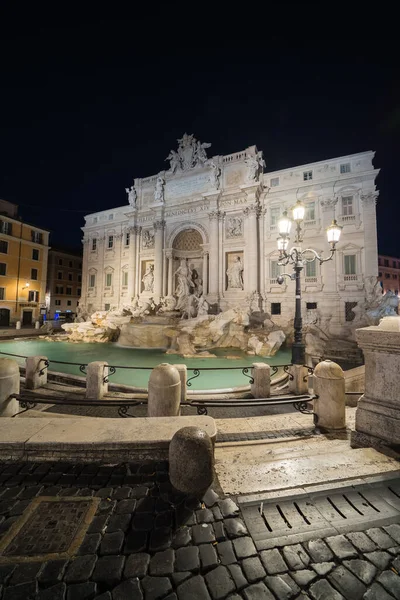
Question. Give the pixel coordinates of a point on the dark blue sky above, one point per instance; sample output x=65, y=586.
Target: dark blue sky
x=86, y=107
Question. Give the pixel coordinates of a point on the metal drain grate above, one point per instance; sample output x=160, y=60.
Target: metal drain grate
x=279, y=522
x=49, y=527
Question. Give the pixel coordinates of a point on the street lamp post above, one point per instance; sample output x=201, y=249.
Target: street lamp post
x=297, y=257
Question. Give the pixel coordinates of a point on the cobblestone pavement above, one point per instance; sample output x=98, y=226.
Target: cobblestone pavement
x=148, y=541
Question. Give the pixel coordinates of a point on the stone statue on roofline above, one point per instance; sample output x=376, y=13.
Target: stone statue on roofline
x=132, y=196
x=191, y=153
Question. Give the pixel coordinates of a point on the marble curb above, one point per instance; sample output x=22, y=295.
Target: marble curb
x=93, y=439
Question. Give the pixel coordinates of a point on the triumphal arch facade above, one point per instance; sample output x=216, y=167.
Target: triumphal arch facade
x=208, y=224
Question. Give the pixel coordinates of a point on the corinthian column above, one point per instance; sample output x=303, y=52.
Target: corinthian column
x=214, y=258
x=251, y=214
x=158, y=259
x=368, y=202
x=133, y=232
x=205, y=272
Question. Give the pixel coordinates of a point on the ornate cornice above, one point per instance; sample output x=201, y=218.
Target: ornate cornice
x=370, y=198
x=328, y=203
x=158, y=225
x=252, y=209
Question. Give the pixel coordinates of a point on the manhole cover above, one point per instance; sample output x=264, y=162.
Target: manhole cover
x=49, y=527
x=321, y=514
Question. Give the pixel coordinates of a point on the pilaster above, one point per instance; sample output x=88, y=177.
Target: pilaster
x=158, y=258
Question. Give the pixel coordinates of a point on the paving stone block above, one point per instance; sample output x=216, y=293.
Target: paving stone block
x=208, y=556
x=164, y=519
x=304, y=577
x=122, y=493
x=55, y=592
x=226, y=553
x=118, y=523
x=106, y=507
x=210, y=498
x=182, y=537
x=109, y=570
x=80, y=569
x=219, y=531
x=296, y=557
x=379, y=559
x=324, y=568
x=346, y=583
x=394, y=551
x=341, y=547
x=52, y=572
x=203, y=534
x=318, y=551
x=377, y=592
x=112, y=543
x=126, y=506
x=380, y=537
x=361, y=541
x=160, y=539
x=391, y=582
x=31, y=492
x=322, y=590
x=104, y=492
x=187, y=559
x=139, y=491
x=253, y=569
x=273, y=561
x=82, y=591
x=234, y=597
x=279, y=586
x=156, y=587
x=180, y=577
x=235, y=528
x=98, y=524
x=105, y=596
x=135, y=541
x=228, y=508
x=396, y=564
x=128, y=590
x=162, y=563
x=244, y=547
x=393, y=530
x=144, y=505
x=217, y=513
x=90, y=543
x=258, y=591
x=363, y=569
x=205, y=515
x=21, y=591
x=136, y=565
x=142, y=522
x=5, y=572
x=237, y=576
x=184, y=516
x=220, y=582
x=25, y=572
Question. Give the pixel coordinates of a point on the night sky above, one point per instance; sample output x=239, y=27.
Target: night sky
x=85, y=107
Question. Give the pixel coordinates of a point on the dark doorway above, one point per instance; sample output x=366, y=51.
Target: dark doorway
x=4, y=317
x=27, y=317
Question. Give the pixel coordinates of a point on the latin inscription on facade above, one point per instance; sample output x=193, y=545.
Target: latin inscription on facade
x=187, y=186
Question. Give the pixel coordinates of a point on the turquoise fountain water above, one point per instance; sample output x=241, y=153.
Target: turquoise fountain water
x=83, y=353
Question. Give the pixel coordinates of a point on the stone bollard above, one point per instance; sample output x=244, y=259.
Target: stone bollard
x=182, y=370
x=37, y=325
x=164, y=392
x=36, y=372
x=96, y=373
x=191, y=461
x=18, y=325
x=330, y=406
x=9, y=384
x=297, y=385
x=261, y=387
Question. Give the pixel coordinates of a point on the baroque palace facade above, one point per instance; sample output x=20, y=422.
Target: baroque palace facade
x=218, y=216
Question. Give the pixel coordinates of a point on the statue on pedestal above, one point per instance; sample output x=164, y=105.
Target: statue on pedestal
x=148, y=279
x=235, y=274
x=159, y=191
x=255, y=165
x=132, y=196
x=184, y=286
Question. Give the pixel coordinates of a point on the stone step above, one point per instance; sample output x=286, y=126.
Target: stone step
x=253, y=468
